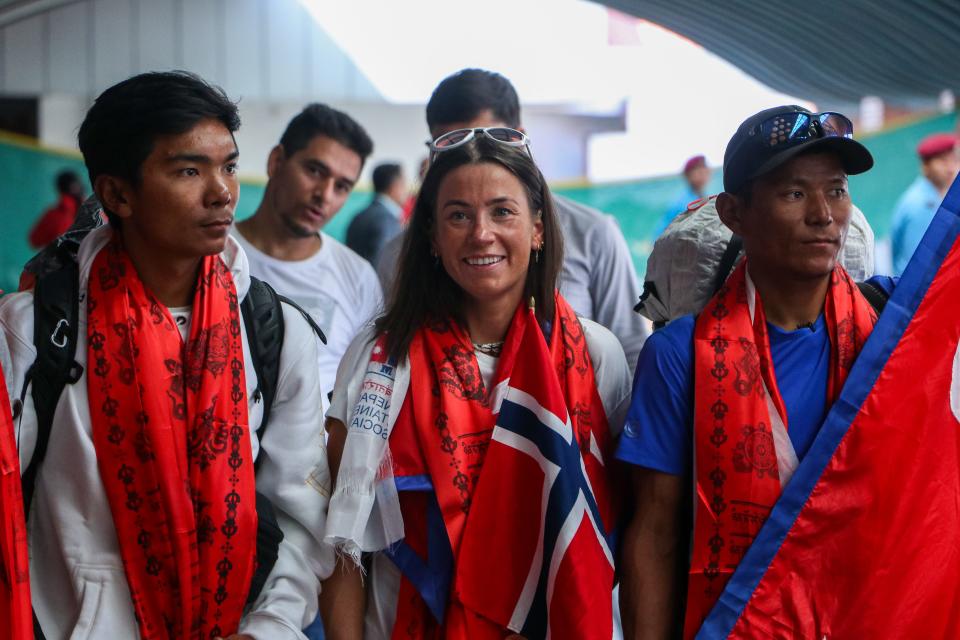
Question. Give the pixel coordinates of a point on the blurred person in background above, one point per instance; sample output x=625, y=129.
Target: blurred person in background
x=448, y=511
x=373, y=227
x=598, y=278
x=939, y=165
x=696, y=176
x=58, y=218
x=411, y=200
x=311, y=172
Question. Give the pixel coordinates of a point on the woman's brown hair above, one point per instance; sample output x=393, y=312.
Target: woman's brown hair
x=423, y=292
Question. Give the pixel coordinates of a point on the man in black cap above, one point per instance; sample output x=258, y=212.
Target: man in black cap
x=715, y=393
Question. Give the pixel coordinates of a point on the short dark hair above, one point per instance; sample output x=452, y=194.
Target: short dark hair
x=65, y=180
x=384, y=176
x=120, y=128
x=423, y=291
x=466, y=93
x=321, y=120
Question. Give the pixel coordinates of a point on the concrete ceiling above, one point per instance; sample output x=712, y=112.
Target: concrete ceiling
x=14, y=10
x=829, y=51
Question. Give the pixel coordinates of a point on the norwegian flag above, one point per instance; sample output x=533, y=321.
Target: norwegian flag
x=863, y=542
x=536, y=555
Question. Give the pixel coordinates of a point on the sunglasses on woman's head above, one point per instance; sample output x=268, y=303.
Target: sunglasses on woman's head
x=453, y=139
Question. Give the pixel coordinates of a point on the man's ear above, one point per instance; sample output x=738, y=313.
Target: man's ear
x=730, y=209
x=275, y=159
x=115, y=194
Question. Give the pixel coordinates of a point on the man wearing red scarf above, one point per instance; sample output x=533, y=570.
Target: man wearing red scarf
x=144, y=518
x=727, y=402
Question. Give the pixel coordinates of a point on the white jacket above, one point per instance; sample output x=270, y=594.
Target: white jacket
x=77, y=579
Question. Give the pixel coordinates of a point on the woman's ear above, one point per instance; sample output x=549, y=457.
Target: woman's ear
x=115, y=194
x=538, y=230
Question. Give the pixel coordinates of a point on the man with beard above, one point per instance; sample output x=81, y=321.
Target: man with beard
x=312, y=172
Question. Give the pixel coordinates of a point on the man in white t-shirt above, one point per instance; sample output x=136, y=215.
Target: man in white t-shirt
x=311, y=172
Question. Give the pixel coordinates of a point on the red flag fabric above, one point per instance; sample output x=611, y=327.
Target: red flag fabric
x=543, y=466
x=743, y=454
x=15, y=611
x=863, y=541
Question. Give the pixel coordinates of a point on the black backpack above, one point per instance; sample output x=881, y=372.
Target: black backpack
x=55, y=315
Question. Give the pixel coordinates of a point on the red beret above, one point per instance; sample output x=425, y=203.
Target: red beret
x=693, y=163
x=935, y=144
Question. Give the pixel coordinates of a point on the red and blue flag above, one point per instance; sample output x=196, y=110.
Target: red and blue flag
x=539, y=562
x=864, y=542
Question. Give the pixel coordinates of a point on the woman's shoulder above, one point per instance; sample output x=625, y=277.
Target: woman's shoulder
x=350, y=371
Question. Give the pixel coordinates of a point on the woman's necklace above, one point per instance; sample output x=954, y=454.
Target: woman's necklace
x=489, y=348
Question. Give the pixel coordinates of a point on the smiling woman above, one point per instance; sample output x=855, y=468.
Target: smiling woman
x=483, y=236
x=476, y=325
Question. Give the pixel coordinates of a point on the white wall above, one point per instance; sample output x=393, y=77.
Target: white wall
x=255, y=49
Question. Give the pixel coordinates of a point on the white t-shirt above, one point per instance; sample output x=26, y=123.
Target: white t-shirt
x=337, y=287
x=182, y=316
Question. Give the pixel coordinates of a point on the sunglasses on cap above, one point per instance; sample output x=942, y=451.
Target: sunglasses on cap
x=459, y=137
x=800, y=126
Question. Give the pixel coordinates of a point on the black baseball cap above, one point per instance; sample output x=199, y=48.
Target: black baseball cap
x=770, y=138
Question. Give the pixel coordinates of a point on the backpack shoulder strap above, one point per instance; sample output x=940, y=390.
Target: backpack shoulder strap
x=263, y=320
x=875, y=295
x=56, y=302
x=306, y=316
x=727, y=261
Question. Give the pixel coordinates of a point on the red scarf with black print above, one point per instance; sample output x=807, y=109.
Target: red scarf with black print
x=15, y=611
x=444, y=429
x=737, y=456
x=173, y=445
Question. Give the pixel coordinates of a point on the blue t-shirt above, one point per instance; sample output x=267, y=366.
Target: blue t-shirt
x=659, y=428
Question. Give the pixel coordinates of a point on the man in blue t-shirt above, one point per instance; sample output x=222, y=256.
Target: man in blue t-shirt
x=785, y=193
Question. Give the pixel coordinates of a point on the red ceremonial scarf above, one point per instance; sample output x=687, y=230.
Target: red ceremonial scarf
x=736, y=458
x=15, y=611
x=173, y=446
x=444, y=428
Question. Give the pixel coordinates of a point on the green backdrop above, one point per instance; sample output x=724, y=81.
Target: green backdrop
x=28, y=170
